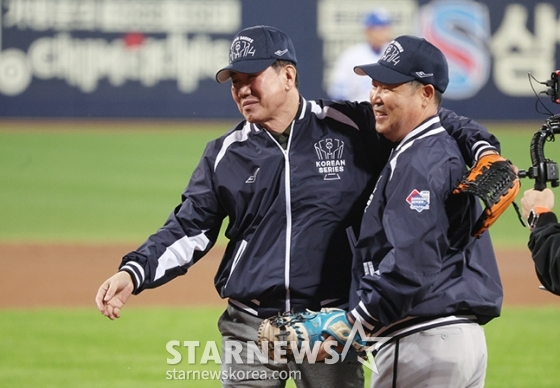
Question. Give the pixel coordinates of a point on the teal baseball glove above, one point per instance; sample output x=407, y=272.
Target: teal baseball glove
x=295, y=332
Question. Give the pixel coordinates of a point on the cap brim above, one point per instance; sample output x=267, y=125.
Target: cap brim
x=382, y=73
x=245, y=66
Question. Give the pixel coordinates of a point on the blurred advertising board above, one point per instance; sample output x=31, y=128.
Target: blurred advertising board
x=158, y=58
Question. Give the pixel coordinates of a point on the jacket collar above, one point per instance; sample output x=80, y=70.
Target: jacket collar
x=303, y=107
x=428, y=127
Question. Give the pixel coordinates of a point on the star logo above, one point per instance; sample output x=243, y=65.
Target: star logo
x=376, y=342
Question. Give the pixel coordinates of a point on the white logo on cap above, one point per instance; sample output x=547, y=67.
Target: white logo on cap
x=281, y=52
x=421, y=74
x=392, y=54
x=241, y=47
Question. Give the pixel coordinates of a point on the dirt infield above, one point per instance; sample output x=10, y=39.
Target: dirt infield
x=54, y=275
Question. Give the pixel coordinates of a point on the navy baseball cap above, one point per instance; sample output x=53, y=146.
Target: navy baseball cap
x=256, y=48
x=409, y=58
x=378, y=18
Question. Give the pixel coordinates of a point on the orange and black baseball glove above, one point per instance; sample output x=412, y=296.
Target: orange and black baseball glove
x=495, y=182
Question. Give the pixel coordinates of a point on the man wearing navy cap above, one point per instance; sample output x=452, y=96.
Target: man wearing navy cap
x=418, y=277
x=290, y=178
x=343, y=84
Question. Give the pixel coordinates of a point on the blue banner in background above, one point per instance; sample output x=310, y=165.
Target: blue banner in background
x=158, y=59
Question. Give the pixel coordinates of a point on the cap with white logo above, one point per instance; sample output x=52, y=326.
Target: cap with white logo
x=409, y=58
x=256, y=48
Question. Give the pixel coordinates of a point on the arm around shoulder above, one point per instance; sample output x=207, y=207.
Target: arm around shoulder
x=472, y=137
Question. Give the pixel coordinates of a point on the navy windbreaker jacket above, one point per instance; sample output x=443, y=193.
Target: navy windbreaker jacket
x=414, y=257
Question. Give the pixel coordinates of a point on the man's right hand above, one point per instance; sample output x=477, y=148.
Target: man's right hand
x=113, y=294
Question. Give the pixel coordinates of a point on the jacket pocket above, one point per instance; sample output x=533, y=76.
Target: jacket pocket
x=236, y=258
x=351, y=238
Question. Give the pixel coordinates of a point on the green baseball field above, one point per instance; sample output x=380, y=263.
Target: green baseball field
x=76, y=196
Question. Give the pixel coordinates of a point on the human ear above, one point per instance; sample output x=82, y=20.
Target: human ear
x=290, y=72
x=428, y=94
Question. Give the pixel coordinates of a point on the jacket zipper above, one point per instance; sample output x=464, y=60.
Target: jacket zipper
x=287, y=188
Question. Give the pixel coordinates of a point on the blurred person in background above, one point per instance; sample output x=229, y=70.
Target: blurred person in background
x=544, y=241
x=344, y=85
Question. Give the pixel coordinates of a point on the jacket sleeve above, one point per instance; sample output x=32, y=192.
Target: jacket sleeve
x=187, y=235
x=544, y=244
x=472, y=138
